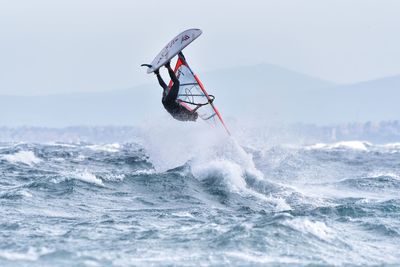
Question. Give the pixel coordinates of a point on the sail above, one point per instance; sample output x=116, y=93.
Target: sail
x=192, y=94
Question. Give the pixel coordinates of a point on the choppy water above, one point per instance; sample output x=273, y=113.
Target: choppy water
x=142, y=203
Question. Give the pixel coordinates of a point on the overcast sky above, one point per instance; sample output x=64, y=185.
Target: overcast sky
x=50, y=46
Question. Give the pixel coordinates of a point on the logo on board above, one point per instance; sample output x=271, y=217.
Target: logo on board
x=185, y=38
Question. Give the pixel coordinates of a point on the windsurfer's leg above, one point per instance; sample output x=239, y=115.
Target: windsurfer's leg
x=171, y=73
x=173, y=93
x=160, y=80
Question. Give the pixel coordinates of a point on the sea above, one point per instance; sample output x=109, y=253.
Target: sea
x=189, y=196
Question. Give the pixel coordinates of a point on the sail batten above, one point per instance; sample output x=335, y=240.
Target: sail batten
x=192, y=94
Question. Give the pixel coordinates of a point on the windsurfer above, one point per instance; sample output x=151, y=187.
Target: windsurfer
x=169, y=98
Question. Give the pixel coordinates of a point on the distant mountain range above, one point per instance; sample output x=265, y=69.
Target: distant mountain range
x=261, y=92
x=278, y=95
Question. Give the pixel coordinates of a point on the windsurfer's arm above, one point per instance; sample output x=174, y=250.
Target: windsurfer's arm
x=181, y=56
x=195, y=109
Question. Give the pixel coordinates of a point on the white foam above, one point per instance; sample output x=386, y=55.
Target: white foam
x=231, y=172
x=258, y=258
x=318, y=146
x=183, y=214
x=391, y=147
x=112, y=148
x=226, y=158
x=233, y=177
x=25, y=157
x=169, y=143
x=280, y=204
x=32, y=254
x=316, y=228
x=91, y=263
x=25, y=193
x=113, y=177
x=83, y=175
x=88, y=177
x=61, y=144
x=355, y=145
x=377, y=174
x=144, y=172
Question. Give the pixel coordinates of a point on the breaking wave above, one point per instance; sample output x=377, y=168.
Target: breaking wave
x=24, y=157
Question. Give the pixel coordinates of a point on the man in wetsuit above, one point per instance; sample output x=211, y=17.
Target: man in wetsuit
x=178, y=111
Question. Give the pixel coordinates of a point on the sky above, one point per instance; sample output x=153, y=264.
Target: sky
x=65, y=46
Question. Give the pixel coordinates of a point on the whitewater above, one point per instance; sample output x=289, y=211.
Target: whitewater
x=188, y=196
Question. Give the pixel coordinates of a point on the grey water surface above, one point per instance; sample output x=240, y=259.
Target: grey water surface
x=85, y=204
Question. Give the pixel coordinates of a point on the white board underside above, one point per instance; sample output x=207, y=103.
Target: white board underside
x=173, y=48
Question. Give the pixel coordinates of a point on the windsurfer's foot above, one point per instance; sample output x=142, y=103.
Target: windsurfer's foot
x=157, y=72
x=168, y=65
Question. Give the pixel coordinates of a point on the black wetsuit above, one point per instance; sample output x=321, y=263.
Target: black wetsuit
x=177, y=111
